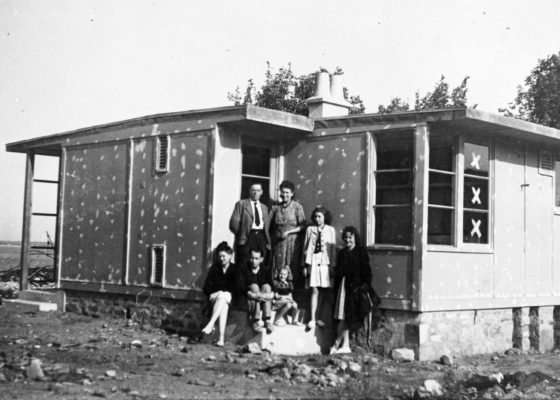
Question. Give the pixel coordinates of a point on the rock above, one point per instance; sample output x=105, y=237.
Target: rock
x=303, y=370
x=229, y=358
x=513, y=351
x=110, y=373
x=199, y=382
x=184, y=349
x=34, y=370
x=483, y=382
x=136, y=343
x=402, y=354
x=253, y=348
x=446, y=360
x=134, y=393
x=354, y=366
x=339, y=363
x=3, y=378
x=433, y=387
x=179, y=372
x=86, y=382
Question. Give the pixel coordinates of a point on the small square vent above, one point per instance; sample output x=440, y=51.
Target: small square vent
x=546, y=163
x=158, y=265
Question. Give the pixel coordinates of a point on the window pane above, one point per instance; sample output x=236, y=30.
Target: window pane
x=394, y=187
x=440, y=226
x=246, y=184
x=441, y=189
x=441, y=154
x=395, y=153
x=476, y=159
x=476, y=193
x=475, y=227
x=256, y=161
x=393, y=225
x=557, y=173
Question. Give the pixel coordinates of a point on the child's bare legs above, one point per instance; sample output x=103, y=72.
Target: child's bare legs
x=314, y=303
x=280, y=313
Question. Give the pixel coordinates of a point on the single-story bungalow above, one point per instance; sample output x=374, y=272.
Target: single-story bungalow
x=459, y=209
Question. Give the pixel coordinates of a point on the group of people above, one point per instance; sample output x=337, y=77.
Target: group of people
x=268, y=254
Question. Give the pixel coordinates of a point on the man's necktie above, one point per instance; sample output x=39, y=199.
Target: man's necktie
x=257, y=215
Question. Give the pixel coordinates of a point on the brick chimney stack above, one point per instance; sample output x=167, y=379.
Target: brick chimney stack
x=328, y=100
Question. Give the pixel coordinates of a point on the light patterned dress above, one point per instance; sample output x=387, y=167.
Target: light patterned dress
x=286, y=252
x=320, y=248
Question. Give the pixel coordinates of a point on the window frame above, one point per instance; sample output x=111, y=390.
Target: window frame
x=458, y=244
x=276, y=166
x=555, y=184
x=372, y=193
x=153, y=250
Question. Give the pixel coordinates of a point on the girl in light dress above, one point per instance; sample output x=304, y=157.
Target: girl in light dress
x=319, y=256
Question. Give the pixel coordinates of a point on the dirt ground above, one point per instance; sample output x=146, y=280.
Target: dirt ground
x=83, y=358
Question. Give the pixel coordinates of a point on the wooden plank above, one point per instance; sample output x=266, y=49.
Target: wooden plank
x=58, y=228
x=45, y=181
x=26, y=226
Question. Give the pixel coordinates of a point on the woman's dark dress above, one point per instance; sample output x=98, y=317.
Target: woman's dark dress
x=352, y=267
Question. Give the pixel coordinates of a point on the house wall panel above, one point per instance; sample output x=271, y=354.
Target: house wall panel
x=509, y=203
x=170, y=209
x=94, y=213
x=331, y=172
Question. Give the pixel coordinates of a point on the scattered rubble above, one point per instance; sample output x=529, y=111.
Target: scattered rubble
x=402, y=354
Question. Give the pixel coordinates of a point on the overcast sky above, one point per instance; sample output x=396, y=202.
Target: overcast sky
x=70, y=64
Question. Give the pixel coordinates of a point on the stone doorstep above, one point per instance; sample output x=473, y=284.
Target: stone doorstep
x=28, y=305
x=285, y=340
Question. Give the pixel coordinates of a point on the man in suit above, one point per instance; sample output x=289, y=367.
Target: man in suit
x=249, y=223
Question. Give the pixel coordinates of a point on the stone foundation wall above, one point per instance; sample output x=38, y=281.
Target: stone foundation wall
x=176, y=316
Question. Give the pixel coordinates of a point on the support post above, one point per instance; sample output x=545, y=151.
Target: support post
x=26, y=227
x=420, y=210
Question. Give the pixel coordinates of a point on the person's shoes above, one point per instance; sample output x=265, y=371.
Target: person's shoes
x=268, y=326
x=344, y=350
x=280, y=322
x=256, y=327
x=310, y=325
x=333, y=350
x=220, y=343
x=296, y=323
x=208, y=330
x=321, y=324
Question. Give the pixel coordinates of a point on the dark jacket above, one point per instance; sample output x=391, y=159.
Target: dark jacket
x=216, y=280
x=353, y=265
x=245, y=278
x=242, y=219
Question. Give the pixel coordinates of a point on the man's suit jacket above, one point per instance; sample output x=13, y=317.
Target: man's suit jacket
x=242, y=219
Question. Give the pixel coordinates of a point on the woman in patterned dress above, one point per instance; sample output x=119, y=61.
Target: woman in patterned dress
x=287, y=221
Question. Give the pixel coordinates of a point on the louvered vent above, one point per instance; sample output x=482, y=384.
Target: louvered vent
x=162, y=152
x=158, y=265
x=546, y=163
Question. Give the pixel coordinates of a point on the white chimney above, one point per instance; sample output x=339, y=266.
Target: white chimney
x=328, y=100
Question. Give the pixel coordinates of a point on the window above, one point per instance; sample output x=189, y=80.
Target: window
x=476, y=194
x=448, y=208
x=441, y=191
x=157, y=257
x=162, y=154
x=394, y=188
x=255, y=169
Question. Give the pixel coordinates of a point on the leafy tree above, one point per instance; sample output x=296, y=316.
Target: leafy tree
x=539, y=100
x=439, y=98
x=286, y=92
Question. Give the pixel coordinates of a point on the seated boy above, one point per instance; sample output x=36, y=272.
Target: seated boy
x=283, y=300
x=255, y=281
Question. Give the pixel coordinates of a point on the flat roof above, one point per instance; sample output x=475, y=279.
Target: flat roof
x=50, y=144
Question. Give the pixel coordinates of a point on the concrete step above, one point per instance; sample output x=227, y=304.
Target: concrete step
x=20, y=305
x=293, y=340
x=44, y=296
x=285, y=340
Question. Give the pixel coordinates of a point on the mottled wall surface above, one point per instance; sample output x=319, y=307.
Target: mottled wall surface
x=392, y=276
x=509, y=234
x=170, y=209
x=331, y=172
x=94, y=213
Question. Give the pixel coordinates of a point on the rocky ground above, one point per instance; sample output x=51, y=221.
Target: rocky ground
x=70, y=356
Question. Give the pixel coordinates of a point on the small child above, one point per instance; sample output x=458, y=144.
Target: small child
x=283, y=301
